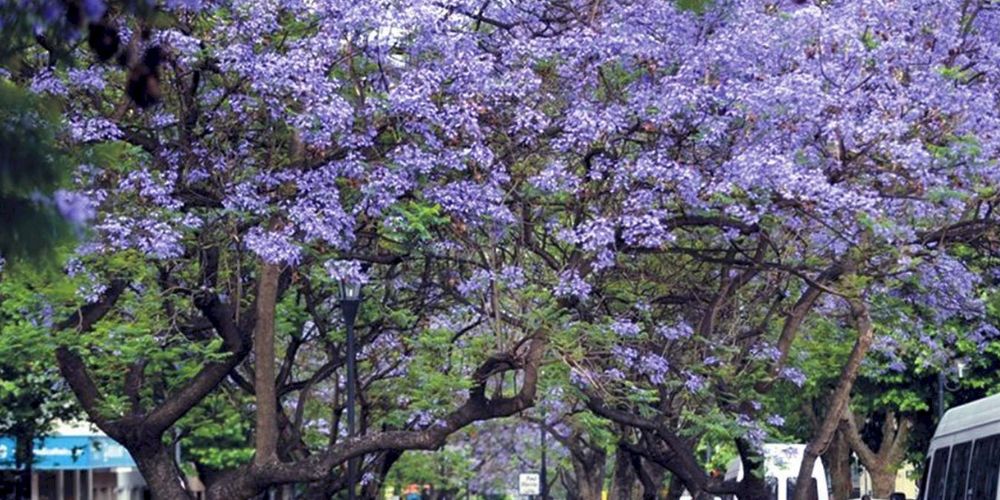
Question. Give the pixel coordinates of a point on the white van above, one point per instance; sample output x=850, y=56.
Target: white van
x=781, y=469
x=963, y=460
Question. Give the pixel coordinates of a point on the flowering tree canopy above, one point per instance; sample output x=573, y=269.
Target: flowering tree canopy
x=662, y=196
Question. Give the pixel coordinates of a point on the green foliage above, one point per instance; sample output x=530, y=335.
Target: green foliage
x=414, y=223
x=31, y=167
x=33, y=395
x=954, y=73
x=446, y=469
x=698, y=6
x=216, y=434
x=869, y=40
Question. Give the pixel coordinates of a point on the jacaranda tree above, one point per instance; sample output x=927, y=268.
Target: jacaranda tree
x=658, y=198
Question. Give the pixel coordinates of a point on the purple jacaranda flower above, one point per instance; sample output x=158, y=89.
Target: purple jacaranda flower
x=75, y=207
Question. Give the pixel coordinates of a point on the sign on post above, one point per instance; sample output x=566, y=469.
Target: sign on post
x=529, y=484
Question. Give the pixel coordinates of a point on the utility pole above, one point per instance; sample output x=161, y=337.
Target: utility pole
x=942, y=380
x=544, y=487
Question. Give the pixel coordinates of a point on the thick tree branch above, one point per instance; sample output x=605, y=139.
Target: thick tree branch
x=71, y=365
x=852, y=434
x=794, y=320
x=254, y=478
x=133, y=385
x=236, y=347
x=677, y=456
x=841, y=394
x=266, y=432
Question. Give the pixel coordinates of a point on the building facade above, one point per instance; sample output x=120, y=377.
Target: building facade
x=78, y=463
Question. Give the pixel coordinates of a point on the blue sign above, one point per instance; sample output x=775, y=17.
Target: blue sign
x=70, y=452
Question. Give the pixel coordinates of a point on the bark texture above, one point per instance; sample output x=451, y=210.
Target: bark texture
x=838, y=463
x=266, y=435
x=882, y=463
x=142, y=429
x=839, y=398
x=623, y=479
x=588, y=473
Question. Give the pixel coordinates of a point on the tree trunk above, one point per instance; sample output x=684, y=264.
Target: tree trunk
x=24, y=457
x=589, y=480
x=650, y=477
x=623, y=481
x=266, y=433
x=752, y=486
x=881, y=465
x=676, y=488
x=590, y=487
x=883, y=481
x=839, y=399
x=382, y=467
x=156, y=463
x=838, y=464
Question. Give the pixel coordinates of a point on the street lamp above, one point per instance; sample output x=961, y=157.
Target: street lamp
x=350, y=301
x=943, y=385
x=542, y=477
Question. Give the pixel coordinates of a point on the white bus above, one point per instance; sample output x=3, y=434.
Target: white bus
x=781, y=469
x=964, y=457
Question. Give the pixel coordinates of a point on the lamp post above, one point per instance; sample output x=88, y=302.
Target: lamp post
x=350, y=301
x=544, y=486
x=543, y=476
x=943, y=386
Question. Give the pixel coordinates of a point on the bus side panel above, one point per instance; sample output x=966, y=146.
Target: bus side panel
x=977, y=430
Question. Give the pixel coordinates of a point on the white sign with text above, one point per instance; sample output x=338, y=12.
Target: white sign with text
x=529, y=484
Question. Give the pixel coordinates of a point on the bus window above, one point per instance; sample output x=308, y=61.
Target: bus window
x=985, y=465
x=958, y=471
x=935, y=488
x=922, y=485
x=771, y=483
x=813, y=493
